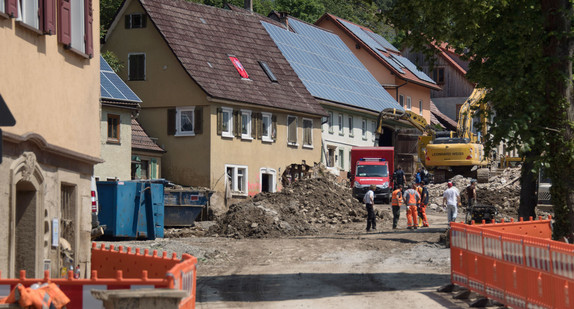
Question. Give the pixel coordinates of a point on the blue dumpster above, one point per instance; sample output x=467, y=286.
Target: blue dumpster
x=131, y=209
x=182, y=206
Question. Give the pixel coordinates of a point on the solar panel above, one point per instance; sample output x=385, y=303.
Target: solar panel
x=112, y=86
x=381, y=40
x=413, y=68
x=327, y=68
x=358, y=31
x=390, y=61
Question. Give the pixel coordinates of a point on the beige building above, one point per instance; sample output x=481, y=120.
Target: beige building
x=217, y=93
x=50, y=82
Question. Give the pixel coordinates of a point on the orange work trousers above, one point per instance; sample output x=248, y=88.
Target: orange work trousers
x=423, y=214
x=412, y=216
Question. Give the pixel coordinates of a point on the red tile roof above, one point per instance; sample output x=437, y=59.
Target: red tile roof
x=203, y=37
x=453, y=58
x=408, y=75
x=142, y=141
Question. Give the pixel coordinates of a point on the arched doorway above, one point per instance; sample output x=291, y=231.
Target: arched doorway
x=25, y=232
x=386, y=138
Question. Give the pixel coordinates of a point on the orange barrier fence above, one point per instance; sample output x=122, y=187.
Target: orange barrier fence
x=116, y=269
x=516, y=263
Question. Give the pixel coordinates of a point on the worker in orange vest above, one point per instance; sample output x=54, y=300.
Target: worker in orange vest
x=397, y=200
x=424, y=193
x=412, y=200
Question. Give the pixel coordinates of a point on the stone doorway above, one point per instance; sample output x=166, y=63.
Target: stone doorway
x=25, y=233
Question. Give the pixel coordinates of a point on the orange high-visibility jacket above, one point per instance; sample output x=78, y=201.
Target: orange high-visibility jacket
x=412, y=198
x=397, y=199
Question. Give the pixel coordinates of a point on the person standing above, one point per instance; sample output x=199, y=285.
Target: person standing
x=424, y=192
x=400, y=177
x=471, y=193
x=451, y=198
x=412, y=200
x=369, y=200
x=418, y=177
x=397, y=200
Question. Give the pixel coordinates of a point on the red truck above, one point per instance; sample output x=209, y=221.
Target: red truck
x=372, y=165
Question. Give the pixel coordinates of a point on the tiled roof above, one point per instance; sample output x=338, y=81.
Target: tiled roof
x=454, y=59
x=438, y=117
x=327, y=67
x=142, y=141
x=384, y=51
x=204, y=37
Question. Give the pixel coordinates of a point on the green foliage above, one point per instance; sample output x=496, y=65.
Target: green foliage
x=115, y=63
x=307, y=10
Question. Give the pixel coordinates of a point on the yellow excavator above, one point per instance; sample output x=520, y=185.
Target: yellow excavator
x=449, y=153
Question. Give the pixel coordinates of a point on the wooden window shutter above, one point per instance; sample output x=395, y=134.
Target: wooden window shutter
x=153, y=168
x=237, y=122
x=12, y=8
x=89, y=22
x=254, y=125
x=274, y=127
x=171, y=114
x=144, y=20
x=64, y=23
x=219, y=120
x=198, y=114
x=128, y=23
x=48, y=16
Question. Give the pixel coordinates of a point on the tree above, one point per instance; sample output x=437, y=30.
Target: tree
x=520, y=50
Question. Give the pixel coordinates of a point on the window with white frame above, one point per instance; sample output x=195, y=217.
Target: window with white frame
x=364, y=128
x=409, y=103
x=78, y=22
x=307, y=132
x=292, y=130
x=373, y=129
x=331, y=122
x=2, y=6
x=226, y=122
x=236, y=179
x=28, y=13
x=136, y=66
x=266, y=127
x=185, y=121
x=402, y=100
x=421, y=107
x=351, y=127
x=340, y=124
x=246, y=124
x=341, y=159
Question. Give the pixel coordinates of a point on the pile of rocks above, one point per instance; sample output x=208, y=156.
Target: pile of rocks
x=305, y=207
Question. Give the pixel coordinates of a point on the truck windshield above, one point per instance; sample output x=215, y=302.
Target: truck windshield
x=372, y=171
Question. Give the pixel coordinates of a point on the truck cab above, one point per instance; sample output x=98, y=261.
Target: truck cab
x=371, y=166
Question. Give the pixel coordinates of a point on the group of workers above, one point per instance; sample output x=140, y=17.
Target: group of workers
x=416, y=199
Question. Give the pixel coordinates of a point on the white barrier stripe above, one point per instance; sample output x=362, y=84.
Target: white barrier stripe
x=88, y=301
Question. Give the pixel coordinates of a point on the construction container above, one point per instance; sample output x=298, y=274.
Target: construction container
x=183, y=206
x=131, y=209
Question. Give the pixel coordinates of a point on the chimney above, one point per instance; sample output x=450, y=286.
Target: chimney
x=248, y=5
x=283, y=18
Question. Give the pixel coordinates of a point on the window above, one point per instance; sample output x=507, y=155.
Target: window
x=331, y=156
x=421, y=107
x=351, y=127
x=364, y=128
x=113, y=128
x=340, y=124
x=373, y=129
x=330, y=122
x=225, y=119
x=68, y=212
x=38, y=15
x=266, y=128
x=136, y=66
x=409, y=103
x=137, y=20
x=307, y=133
x=402, y=100
x=246, y=124
x=341, y=159
x=438, y=75
x=267, y=71
x=75, y=23
x=28, y=13
x=2, y=6
x=236, y=179
x=184, y=121
x=292, y=130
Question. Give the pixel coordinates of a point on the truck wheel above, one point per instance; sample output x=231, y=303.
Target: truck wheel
x=482, y=175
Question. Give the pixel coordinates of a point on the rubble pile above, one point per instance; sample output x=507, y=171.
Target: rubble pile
x=502, y=191
x=304, y=207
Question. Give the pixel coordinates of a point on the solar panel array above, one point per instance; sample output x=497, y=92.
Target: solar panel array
x=327, y=68
x=112, y=86
x=378, y=44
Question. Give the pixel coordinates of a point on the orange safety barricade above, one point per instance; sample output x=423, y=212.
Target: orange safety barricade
x=538, y=272
x=493, y=265
x=457, y=252
x=115, y=269
x=563, y=274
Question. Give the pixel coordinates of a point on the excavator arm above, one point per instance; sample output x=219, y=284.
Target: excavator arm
x=414, y=119
x=465, y=115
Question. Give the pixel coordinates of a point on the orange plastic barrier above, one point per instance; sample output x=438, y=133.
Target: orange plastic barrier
x=113, y=269
x=514, y=263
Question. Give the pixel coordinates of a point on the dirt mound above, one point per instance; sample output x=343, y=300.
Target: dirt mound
x=305, y=207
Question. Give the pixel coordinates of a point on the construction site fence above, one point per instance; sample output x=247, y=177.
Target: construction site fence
x=121, y=269
x=514, y=263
